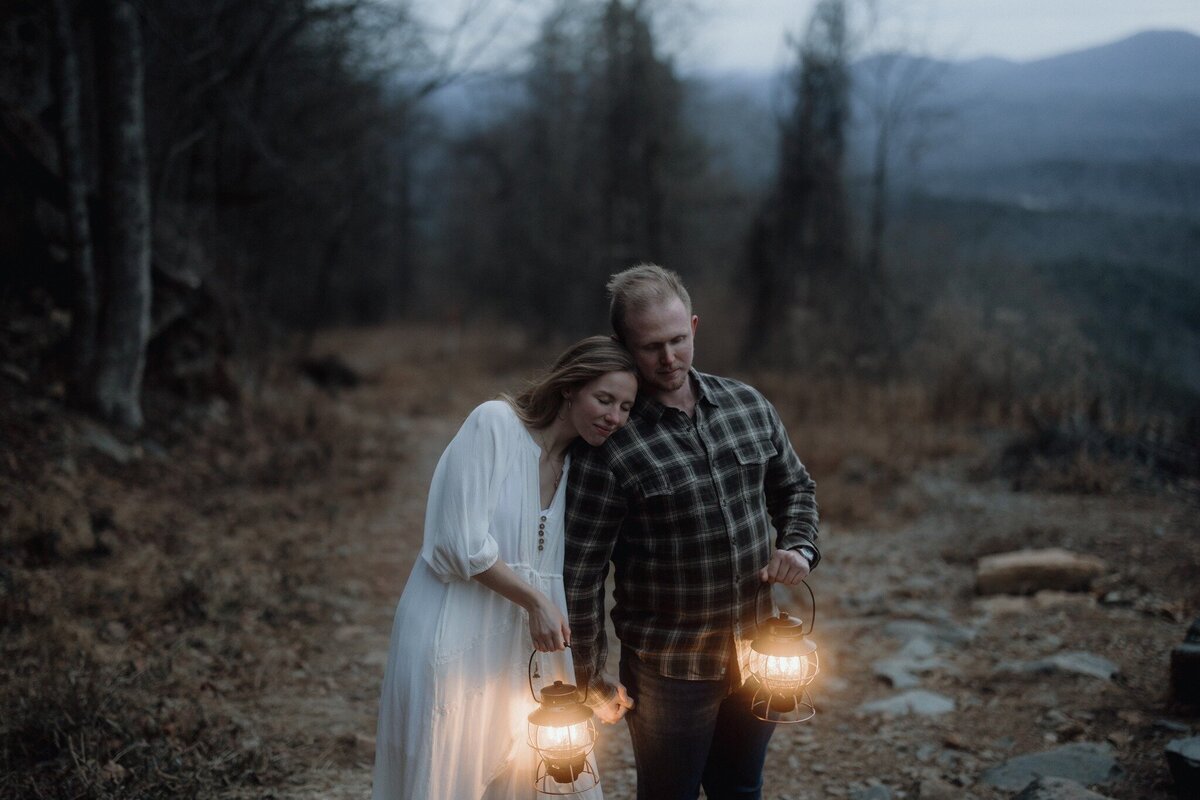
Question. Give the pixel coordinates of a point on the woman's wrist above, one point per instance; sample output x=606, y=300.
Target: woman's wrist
x=532, y=599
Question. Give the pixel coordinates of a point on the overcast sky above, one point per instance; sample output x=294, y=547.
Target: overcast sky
x=746, y=33
x=749, y=34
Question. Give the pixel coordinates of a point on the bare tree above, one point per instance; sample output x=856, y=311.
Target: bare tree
x=85, y=307
x=897, y=89
x=579, y=178
x=124, y=321
x=798, y=260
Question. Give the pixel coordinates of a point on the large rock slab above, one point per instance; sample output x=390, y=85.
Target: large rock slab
x=917, y=701
x=1031, y=571
x=1057, y=789
x=1079, y=663
x=1085, y=762
x=1183, y=757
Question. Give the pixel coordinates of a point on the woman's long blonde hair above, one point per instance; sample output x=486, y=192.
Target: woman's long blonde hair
x=537, y=405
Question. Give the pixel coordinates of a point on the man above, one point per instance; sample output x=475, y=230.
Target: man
x=682, y=501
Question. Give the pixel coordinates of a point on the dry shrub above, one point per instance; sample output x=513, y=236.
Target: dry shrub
x=1091, y=445
x=862, y=440
x=75, y=728
x=129, y=671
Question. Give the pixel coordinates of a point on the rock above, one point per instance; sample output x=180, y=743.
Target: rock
x=901, y=668
x=114, y=772
x=1086, y=762
x=1183, y=757
x=1080, y=663
x=1031, y=571
x=1185, y=667
x=876, y=792
x=936, y=632
x=1057, y=789
x=916, y=701
x=1172, y=726
x=938, y=789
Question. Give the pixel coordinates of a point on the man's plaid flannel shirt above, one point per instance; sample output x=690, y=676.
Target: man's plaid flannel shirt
x=683, y=508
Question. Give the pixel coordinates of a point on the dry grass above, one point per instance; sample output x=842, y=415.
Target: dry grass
x=863, y=441
x=157, y=617
x=134, y=650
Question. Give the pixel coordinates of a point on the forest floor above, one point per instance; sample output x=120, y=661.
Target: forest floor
x=205, y=612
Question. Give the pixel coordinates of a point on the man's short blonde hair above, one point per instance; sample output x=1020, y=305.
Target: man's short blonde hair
x=637, y=288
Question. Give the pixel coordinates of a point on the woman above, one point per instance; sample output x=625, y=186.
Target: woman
x=488, y=587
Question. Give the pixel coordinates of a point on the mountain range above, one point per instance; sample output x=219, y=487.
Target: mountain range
x=1131, y=101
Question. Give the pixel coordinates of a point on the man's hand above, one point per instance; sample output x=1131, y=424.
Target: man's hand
x=614, y=709
x=786, y=566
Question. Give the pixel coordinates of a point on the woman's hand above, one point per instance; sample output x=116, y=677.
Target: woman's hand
x=547, y=626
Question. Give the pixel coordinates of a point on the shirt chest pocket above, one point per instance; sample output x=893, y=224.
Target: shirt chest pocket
x=754, y=452
x=666, y=483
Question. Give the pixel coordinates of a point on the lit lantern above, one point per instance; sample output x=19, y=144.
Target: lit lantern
x=562, y=734
x=783, y=662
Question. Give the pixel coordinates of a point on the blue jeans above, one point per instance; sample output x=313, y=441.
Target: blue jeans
x=687, y=734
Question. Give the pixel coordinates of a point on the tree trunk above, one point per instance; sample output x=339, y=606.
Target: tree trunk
x=79, y=235
x=878, y=223
x=125, y=313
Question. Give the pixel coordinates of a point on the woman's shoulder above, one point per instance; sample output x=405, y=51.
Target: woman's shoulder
x=494, y=415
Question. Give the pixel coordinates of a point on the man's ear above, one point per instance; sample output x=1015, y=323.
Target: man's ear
x=695, y=322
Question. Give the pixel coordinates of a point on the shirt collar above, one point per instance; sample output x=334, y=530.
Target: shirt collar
x=651, y=410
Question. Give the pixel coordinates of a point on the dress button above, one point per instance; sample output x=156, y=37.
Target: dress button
x=543, y=518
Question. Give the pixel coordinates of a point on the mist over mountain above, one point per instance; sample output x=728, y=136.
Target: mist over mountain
x=1015, y=130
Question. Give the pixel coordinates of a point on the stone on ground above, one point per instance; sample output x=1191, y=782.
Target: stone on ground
x=1085, y=762
x=1057, y=789
x=1031, y=571
x=1080, y=663
x=902, y=667
x=917, y=701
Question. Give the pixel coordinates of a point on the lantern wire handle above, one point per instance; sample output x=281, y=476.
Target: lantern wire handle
x=529, y=673
x=812, y=621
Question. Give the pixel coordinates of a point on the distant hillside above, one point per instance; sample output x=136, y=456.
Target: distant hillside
x=1135, y=100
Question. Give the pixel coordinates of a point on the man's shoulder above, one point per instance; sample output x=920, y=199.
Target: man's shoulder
x=731, y=388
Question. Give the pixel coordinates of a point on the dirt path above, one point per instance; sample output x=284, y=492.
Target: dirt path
x=897, y=588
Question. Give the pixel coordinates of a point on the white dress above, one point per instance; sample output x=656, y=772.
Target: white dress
x=455, y=700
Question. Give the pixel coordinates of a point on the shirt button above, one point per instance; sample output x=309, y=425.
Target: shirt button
x=724, y=503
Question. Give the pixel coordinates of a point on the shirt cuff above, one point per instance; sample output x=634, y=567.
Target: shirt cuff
x=600, y=691
x=809, y=551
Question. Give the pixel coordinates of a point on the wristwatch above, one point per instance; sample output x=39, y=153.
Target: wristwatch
x=808, y=552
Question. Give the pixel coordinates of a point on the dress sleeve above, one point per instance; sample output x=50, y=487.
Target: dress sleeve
x=462, y=498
